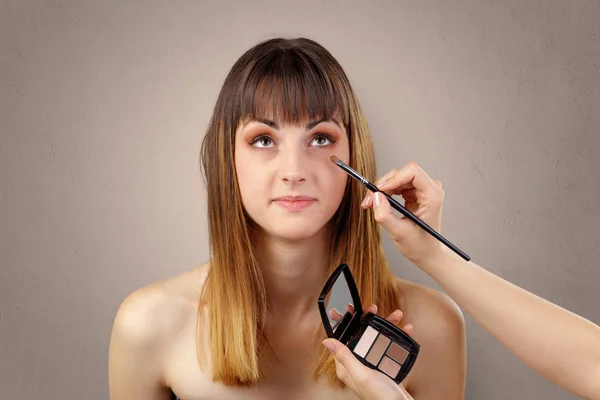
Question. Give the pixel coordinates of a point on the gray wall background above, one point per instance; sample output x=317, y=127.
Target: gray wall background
x=103, y=106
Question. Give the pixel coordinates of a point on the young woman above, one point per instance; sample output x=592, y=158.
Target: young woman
x=282, y=217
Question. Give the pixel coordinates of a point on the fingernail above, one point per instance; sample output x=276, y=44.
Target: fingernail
x=382, y=184
x=378, y=199
x=364, y=202
x=329, y=345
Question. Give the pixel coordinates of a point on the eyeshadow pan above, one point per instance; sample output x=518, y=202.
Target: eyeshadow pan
x=389, y=366
x=397, y=353
x=377, y=350
x=365, y=342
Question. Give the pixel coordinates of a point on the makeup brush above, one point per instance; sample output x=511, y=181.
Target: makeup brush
x=398, y=207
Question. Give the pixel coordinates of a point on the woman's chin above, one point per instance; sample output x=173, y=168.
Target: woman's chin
x=295, y=233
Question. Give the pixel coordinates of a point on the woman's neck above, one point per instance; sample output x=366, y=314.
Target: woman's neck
x=294, y=273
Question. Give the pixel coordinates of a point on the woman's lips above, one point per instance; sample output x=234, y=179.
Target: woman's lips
x=294, y=203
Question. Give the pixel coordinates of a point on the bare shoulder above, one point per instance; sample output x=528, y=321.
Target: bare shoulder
x=439, y=328
x=153, y=312
x=146, y=323
x=431, y=309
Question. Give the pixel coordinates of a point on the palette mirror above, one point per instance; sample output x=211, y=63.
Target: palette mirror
x=339, y=304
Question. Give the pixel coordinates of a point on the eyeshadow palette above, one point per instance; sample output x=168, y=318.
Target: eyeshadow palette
x=376, y=342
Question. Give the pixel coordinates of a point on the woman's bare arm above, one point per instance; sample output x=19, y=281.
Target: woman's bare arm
x=558, y=344
x=561, y=346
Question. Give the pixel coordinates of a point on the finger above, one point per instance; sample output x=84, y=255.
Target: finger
x=410, y=174
x=368, y=199
x=395, y=317
x=395, y=190
x=412, y=206
x=394, y=225
x=371, y=309
x=354, y=368
x=409, y=195
x=399, y=181
x=335, y=315
x=385, y=177
x=342, y=374
x=409, y=329
x=401, y=190
x=408, y=192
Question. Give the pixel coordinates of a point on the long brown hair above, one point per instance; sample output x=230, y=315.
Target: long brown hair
x=293, y=79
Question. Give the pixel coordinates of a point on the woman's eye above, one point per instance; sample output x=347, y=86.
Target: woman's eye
x=262, y=141
x=322, y=140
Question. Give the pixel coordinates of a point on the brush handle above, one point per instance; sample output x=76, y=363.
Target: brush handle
x=399, y=207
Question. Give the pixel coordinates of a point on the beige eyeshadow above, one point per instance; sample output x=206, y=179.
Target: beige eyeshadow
x=389, y=366
x=378, y=349
x=365, y=342
x=397, y=353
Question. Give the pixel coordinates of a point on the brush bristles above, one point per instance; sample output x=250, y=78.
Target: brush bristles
x=334, y=159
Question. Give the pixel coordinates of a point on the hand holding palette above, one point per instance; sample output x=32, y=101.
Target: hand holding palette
x=376, y=342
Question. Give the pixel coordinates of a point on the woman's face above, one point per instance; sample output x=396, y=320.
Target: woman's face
x=288, y=184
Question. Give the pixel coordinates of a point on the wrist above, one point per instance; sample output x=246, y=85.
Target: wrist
x=437, y=260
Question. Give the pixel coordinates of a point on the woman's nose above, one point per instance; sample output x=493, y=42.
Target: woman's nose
x=293, y=167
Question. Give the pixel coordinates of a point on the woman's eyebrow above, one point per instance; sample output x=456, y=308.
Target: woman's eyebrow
x=268, y=122
x=274, y=125
x=312, y=124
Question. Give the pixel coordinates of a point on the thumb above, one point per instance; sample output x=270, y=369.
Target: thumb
x=344, y=356
x=384, y=216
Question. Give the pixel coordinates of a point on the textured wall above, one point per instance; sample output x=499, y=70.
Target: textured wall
x=102, y=110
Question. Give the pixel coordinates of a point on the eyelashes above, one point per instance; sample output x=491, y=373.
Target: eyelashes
x=324, y=136
x=267, y=141
x=259, y=138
